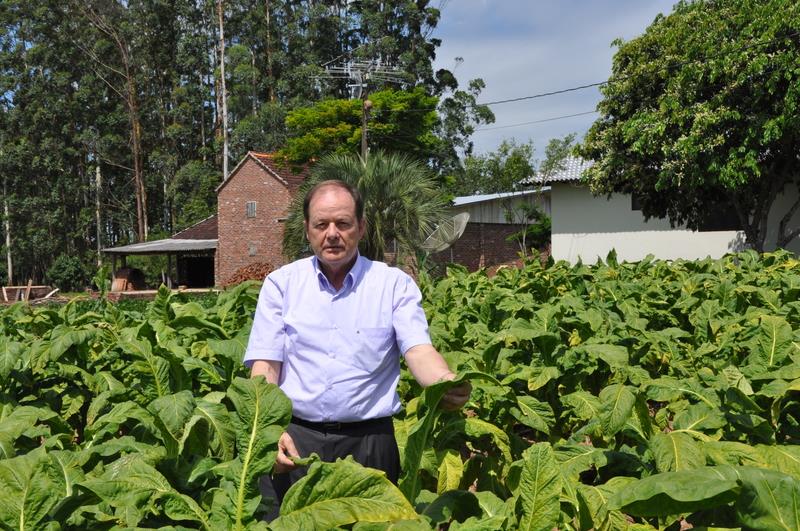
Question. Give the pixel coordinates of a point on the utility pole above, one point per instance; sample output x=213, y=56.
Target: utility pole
x=360, y=73
x=365, y=107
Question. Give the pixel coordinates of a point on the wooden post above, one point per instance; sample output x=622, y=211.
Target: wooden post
x=28, y=290
x=169, y=271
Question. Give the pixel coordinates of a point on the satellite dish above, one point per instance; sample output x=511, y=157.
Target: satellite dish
x=446, y=233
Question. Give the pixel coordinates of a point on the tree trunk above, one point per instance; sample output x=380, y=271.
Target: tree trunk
x=7, y=219
x=254, y=83
x=785, y=232
x=222, y=88
x=203, y=121
x=271, y=89
x=138, y=170
x=98, y=186
x=129, y=94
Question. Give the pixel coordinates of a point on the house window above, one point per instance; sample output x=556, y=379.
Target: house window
x=251, y=209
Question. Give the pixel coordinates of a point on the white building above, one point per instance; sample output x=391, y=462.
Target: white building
x=587, y=227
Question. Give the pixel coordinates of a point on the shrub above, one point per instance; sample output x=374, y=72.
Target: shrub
x=67, y=273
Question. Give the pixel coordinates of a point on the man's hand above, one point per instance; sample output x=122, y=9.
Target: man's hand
x=456, y=397
x=286, y=449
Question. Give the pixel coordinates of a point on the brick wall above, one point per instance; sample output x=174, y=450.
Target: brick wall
x=482, y=245
x=243, y=240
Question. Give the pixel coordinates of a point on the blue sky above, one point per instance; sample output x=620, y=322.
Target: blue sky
x=526, y=47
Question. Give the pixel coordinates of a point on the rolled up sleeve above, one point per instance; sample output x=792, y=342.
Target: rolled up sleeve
x=409, y=321
x=268, y=334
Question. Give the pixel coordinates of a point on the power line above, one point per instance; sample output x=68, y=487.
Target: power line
x=553, y=119
x=544, y=94
x=628, y=76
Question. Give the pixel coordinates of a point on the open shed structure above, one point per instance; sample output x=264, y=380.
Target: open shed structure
x=190, y=255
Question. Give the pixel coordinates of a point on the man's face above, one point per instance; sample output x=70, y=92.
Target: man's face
x=332, y=228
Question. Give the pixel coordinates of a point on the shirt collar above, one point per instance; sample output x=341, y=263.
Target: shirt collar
x=350, y=280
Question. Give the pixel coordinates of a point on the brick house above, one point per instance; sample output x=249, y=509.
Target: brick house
x=252, y=205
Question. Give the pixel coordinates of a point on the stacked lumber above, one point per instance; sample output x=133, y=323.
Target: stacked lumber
x=256, y=271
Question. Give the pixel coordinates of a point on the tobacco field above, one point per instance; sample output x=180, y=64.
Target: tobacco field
x=648, y=395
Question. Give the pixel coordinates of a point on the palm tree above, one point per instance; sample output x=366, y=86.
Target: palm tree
x=402, y=201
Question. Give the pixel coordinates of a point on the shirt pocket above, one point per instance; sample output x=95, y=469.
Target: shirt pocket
x=371, y=346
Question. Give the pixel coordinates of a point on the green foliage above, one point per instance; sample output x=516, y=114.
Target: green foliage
x=132, y=88
x=642, y=377
x=193, y=192
x=68, y=273
x=699, y=116
x=340, y=493
x=400, y=121
x=606, y=396
x=503, y=170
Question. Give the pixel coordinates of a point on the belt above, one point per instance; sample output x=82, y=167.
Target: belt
x=340, y=426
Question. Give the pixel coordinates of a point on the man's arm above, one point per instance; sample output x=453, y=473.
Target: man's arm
x=271, y=370
x=428, y=367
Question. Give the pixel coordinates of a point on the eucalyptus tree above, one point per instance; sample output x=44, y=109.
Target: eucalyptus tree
x=402, y=201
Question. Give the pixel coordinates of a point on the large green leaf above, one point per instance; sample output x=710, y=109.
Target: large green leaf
x=768, y=500
x=772, y=343
x=451, y=470
x=672, y=493
x=10, y=352
x=31, y=487
x=418, y=524
x=62, y=338
x=617, y=405
x=419, y=435
x=783, y=458
x=576, y=458
x=172, y=413
x=129, y=414
x=537, y=503
x=476, y=428
x=697, y=419
x=585, y=405
x=340, y=493
x=453, y=505
x=593, y=505
x=614, y=355
x=262, y=414
x=676, y=451
x=534, y=413
x=135, y=489
x=151, y=371
x=667, y=389
x=19, y=422
x=221, y=436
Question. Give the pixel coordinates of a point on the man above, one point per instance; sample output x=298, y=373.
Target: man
x=329, y=330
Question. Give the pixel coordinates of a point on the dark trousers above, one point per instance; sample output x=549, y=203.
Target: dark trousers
x=372, y=445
